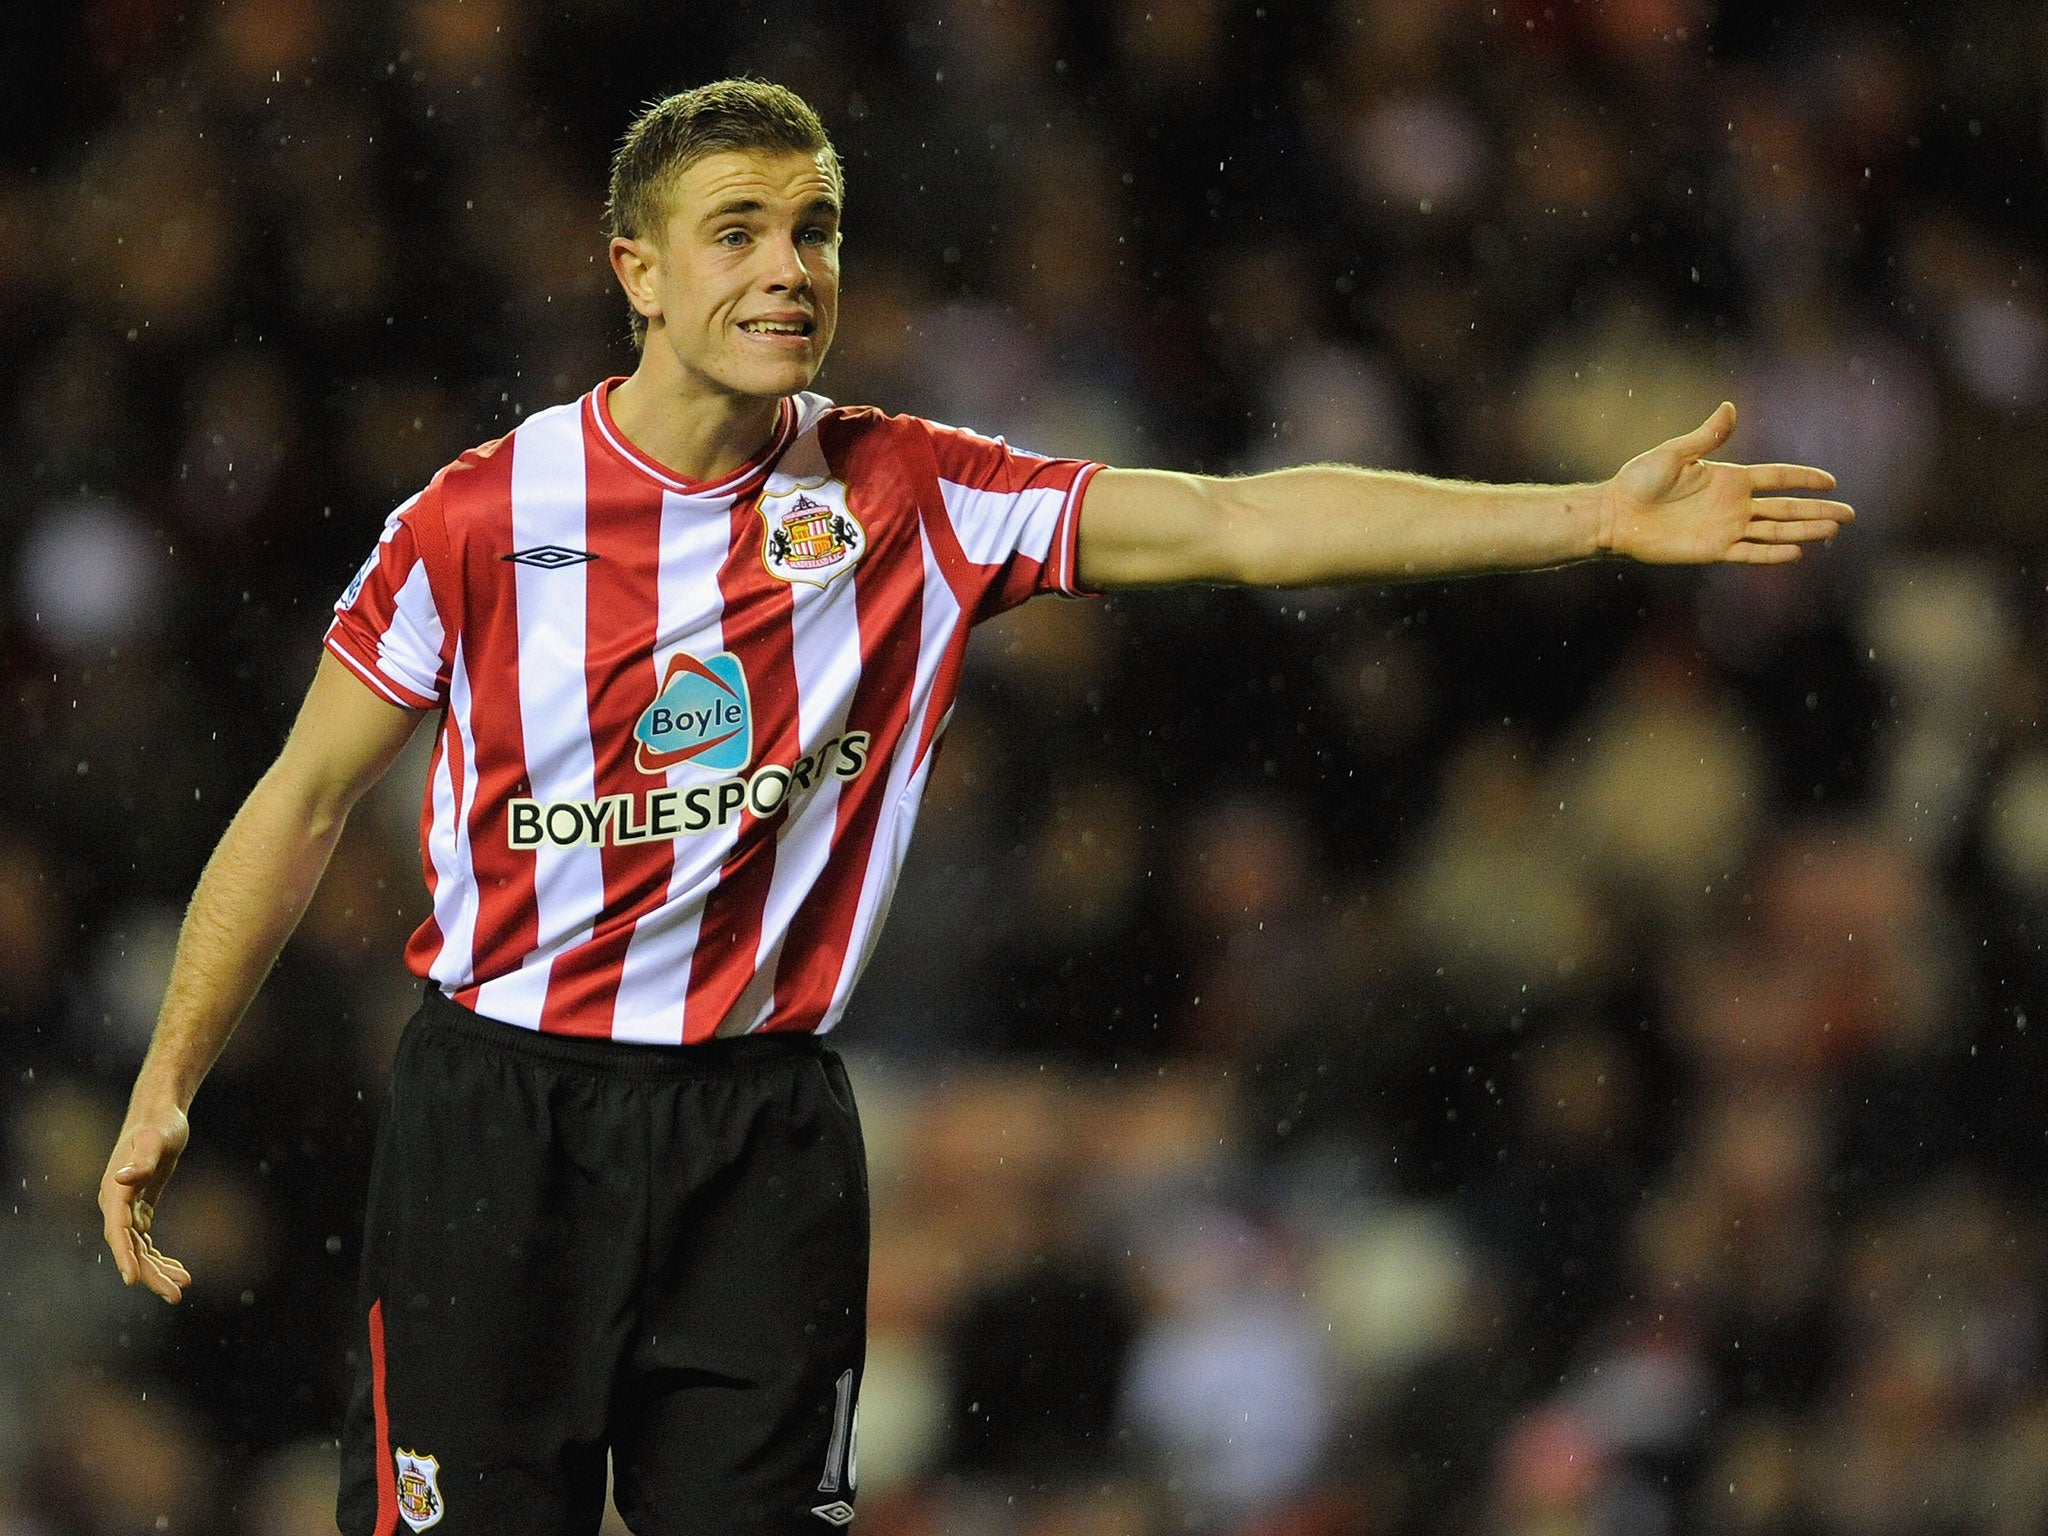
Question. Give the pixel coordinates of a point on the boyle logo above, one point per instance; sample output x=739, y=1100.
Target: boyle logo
x=702, y=714
x=810, y=534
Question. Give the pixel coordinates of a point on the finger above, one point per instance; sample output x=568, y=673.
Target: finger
x=145, y=1152
x=1809, y=531
x=159, y=1283
x=1787, y=477
x=163, y=1274
x=1708, y=435
x=165, y=1262
x=1748, y=552
x=117, y=1225
x=170, y=1271
x=121, y=1244
x=1799, y=509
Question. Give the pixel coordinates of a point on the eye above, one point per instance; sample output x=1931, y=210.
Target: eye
x=733, y=238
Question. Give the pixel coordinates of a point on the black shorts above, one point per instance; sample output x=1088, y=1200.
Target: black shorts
x=577, y=1248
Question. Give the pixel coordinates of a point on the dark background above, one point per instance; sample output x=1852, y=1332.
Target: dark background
x=1554, y=1054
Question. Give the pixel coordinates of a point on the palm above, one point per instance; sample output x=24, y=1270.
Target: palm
x=1674, y=506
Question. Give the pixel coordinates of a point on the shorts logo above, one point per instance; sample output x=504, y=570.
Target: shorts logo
x=419, y=1489
x=838, y=1513
x=809, y=533
x=702, y=714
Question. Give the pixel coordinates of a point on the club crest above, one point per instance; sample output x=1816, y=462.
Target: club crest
x=808, y=533
x=419, y=1490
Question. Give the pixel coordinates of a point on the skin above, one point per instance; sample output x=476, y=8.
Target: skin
x=753, y=236
x=1670, y=505
x=250, y=897
x=748, y=237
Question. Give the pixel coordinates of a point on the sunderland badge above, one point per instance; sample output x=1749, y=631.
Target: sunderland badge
x=808, y=532
x=419, y=1489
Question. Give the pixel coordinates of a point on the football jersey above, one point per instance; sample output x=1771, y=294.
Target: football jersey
x=686, y=726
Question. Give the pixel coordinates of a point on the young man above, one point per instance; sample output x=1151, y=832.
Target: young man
x=691, y=641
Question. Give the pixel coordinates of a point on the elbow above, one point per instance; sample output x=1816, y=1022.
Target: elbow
x=308, y=811
x=1257, y=554
x=1236, y=545
x=323, y=823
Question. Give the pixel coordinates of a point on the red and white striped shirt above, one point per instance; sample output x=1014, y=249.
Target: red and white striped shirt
x=686, y=726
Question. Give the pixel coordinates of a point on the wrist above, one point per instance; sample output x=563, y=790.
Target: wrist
x=161, y=1094
x=164, y=1111
x=1601, y=510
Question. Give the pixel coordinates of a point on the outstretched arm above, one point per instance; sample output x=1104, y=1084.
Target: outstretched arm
x=250, y=897
x=1325, y=524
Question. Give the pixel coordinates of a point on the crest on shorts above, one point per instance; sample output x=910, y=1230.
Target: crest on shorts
x=419, y=1489
x=808, y=532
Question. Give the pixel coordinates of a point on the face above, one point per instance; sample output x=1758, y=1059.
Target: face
x=743, y=287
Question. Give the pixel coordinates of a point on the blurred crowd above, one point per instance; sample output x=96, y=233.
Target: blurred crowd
x=1542, y=1056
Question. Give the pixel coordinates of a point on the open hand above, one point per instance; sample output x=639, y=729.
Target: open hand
x=1674, y=506
x=144, y=1158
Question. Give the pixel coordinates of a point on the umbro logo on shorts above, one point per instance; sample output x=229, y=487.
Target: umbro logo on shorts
x=549, y=557
x=838, y=1513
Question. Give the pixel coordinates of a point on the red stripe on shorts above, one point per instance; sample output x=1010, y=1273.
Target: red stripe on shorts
x=387, y=1474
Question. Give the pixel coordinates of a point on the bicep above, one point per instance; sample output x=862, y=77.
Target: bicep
x=344, y=739
x=1152, y=527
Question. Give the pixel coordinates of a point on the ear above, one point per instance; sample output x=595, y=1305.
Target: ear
x=634, y=263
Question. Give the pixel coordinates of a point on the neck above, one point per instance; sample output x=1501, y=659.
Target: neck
x=700, y=433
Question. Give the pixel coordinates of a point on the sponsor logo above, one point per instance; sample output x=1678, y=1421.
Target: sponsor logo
x=838, y=1513
x=669, y=813
x=701, y=714
x=549, y=557
x=355, y=587
x=809, y=534
x=419, y=1489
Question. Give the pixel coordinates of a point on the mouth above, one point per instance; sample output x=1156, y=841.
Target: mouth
x=783, y=328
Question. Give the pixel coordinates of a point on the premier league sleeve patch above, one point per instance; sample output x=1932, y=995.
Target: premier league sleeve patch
x=419, y=1489
x=808, y=533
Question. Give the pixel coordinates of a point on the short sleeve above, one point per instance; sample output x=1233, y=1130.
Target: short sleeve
x=387, y=629
x=1016, y=515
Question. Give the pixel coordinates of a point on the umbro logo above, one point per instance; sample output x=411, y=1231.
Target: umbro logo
x=838, y=1513
x=549, y=557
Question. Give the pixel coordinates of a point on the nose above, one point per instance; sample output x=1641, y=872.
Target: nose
x=788, y=272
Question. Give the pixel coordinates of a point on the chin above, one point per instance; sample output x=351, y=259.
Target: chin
x=778, y=382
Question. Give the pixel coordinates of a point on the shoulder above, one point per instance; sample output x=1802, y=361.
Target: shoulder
x=949, y=452
x=865, y=443
x=869, y=424
x=471, y=475
x=476, y=486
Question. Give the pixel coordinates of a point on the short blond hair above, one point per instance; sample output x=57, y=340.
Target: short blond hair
x=675, y=133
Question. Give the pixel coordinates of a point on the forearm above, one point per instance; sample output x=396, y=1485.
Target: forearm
x=250, y=897
x=1327, y=524
x=1306, y=527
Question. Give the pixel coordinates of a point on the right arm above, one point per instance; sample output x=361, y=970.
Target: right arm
x=250, y=897
x=1329, y=523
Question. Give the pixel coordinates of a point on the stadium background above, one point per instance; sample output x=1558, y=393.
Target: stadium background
x=1543, y=1055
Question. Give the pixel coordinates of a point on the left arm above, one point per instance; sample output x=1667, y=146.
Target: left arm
x=1328, y=524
